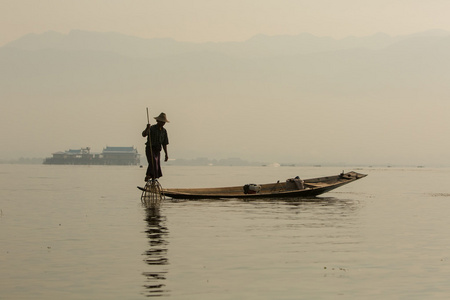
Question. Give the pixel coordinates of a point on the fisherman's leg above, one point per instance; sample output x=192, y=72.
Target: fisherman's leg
x=148, y=174
x=157, y=170
x=148, y=154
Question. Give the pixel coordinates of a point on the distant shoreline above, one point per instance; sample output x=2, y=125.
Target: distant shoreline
x=233, y=162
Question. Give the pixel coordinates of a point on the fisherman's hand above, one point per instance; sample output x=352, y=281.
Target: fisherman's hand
x=167, y=158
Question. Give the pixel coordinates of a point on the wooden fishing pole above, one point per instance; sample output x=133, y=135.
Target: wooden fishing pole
x=149, y=141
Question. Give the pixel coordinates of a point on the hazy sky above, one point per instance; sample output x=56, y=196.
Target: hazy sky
x=231, y=20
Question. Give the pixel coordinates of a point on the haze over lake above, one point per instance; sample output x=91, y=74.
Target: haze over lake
x=287, y=88
x=377, y=99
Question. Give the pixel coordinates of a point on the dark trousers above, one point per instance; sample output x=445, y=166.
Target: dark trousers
x=154, y=162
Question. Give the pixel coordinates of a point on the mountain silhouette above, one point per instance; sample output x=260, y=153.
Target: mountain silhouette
x=77, y=77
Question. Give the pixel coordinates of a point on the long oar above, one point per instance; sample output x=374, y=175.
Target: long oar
x=149, y=141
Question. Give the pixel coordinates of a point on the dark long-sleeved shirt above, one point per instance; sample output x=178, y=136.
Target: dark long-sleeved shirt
x=158, y=136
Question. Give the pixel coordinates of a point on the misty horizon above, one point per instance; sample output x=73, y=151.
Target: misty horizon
x=378, y=99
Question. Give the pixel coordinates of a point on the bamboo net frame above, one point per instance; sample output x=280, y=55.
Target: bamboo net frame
x=152, y=194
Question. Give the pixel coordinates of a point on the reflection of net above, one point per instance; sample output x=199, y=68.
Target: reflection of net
x=152, y=195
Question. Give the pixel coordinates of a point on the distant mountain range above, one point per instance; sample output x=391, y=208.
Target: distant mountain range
x=260, y=46
x=90, y=61
x=265, y=76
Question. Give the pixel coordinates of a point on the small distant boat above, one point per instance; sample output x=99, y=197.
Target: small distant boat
x=291, y=188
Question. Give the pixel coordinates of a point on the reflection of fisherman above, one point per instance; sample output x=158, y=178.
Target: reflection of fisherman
x=156, y=255
x=158, y=139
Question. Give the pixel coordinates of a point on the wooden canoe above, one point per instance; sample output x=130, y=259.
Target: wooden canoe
x=291, y=188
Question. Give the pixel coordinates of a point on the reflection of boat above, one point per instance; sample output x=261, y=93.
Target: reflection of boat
x=294, y=187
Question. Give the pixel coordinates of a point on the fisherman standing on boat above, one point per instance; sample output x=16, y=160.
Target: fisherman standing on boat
x=157, y=140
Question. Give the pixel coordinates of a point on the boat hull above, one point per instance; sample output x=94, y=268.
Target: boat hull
x=311, y=188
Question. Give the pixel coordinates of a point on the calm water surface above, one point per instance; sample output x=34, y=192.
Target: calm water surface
x=79, y=232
